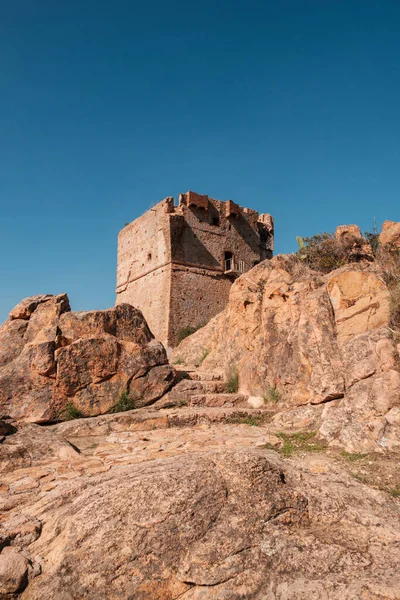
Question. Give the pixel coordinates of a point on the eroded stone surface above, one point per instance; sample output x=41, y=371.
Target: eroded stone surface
x=312, y=339
x=199, y=512
x=50, y=357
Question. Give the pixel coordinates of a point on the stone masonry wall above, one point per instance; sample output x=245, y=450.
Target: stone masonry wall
x=197, y=240
x=197, y=295
x=144, y=273
x=171, y=260
x=143, y=245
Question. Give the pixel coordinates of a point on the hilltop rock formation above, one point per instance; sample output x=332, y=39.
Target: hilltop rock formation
x=321, y=342
x=207, y=494
x=50, y=356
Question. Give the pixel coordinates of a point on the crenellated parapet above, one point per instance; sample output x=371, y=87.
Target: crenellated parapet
x=177, y=262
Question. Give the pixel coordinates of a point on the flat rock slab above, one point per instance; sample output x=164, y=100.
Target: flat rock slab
x=147, y=420
x=202, y=512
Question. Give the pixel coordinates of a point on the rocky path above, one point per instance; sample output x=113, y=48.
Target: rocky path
x=186, y=500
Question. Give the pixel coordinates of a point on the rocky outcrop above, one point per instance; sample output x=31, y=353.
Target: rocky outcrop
x=390, y=233
x=357, y=248
x=322, y=343
x=50, y=357
x=190, y=513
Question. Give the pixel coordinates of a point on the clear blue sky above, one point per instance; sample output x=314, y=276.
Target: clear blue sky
x=289, y=107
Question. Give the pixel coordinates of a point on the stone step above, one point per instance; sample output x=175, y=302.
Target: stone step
x=181, y=394
x=145, y=419
x=192, y=372
x=205, y=376
x=220, y=399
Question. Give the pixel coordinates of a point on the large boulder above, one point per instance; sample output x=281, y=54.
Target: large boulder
x=51, y=357
x=390, y=233
x=316, y=340
x=219, y=524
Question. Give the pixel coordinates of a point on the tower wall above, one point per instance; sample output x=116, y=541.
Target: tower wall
x=172, y=261
x=197, y=295
x=144, y=267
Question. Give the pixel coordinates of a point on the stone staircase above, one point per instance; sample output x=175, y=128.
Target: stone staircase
x=201, y=389
x=198, y=399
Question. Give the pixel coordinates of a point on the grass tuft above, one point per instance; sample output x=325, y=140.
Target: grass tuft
x=302, y=441
x=71, y=412
x=232, y=382
x=187, y=330
x=203, y=356
x=395, y=492
x=271, y=395
x=240, y=419
x=125, y=402
x=352, y=456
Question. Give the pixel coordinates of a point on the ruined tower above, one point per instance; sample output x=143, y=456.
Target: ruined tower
x=177, y=263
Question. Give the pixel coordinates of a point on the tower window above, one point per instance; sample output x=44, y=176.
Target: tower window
x=228, y=261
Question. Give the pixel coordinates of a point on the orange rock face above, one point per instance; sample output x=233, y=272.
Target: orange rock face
x=390, y=233
x=50, y=356
x=317, y=340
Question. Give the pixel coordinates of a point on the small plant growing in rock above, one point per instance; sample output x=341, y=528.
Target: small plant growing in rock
x=372, y=238
x=184, y=332
x=352, y=456
x=271, y=395
x=395, y=491
x=125, y=402
x=232, y=382
x=241, y=419
x=71, y=412
x=203, y=356
x=260, y=289
x=302, y=441
x=178, y=361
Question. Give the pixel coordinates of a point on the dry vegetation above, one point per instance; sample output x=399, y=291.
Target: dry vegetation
x=388, y=258
x=324, y=253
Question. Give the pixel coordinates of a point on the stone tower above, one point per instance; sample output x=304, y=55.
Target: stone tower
x=177, y=263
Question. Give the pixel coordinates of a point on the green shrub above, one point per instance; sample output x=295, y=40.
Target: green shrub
x=125, y=402
x=71, y=412
x=271, y=395
x=232, y=381
x=372, y=238
x=184, y=332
